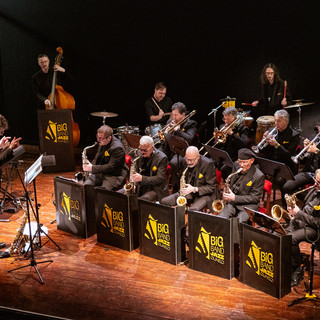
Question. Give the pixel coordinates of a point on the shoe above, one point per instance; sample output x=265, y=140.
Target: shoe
x=4, y=254
x=297, y=276
x=2, y=245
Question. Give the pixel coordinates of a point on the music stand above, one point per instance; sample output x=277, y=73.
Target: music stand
x=177, y=144
x=132, y=139
x=264, y=221
x=219, y=156
x=30, y=176
x=274, y=168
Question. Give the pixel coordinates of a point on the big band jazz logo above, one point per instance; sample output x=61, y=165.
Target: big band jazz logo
x=211, y=246
x=57, y=132
x=113, y=220
x=261, y=261
x=158, y=233
x=70, y=208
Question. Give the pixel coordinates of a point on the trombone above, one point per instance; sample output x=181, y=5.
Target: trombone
x=263, y=143
x=302, y=153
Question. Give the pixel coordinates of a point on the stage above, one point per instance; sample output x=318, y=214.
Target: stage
x=88, y=280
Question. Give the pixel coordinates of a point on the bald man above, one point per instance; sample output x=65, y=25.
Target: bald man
x=200, y=179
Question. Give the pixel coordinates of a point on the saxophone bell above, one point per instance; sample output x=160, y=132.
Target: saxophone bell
x=279, y=213
x=182, y=200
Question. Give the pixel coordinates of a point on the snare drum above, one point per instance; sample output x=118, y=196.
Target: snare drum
x=264, y=123
x=153, y=129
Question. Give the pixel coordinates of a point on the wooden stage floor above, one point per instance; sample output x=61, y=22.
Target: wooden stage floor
x=87, y=280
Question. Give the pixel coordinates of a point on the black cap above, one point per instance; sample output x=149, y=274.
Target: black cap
x=245, y=154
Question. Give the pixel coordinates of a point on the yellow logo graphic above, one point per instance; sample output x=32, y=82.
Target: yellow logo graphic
x=284, y=142
x=203, y=245
x=107, y=218
x=106, y=154
x=158, y=233
x=154, y=168
x=200, y=175
x=51, y=132
x=65, y=206
x=261, y=261
x=249, y=184
x=70, y=207
x=113, y=220
x=151, y=230
x=57, y=132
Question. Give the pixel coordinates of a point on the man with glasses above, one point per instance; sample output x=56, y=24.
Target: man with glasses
x=304, y=227
x=245, y=188
x=108, y=168
x=200, y=179
x=149, y=171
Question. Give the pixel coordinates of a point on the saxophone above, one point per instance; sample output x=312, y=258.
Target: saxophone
x=83, y=176
x=20, y=239
x=182, y=200
x=130, y=186
x=218, y=205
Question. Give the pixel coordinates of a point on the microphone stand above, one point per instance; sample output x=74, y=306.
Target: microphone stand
x=214, y=111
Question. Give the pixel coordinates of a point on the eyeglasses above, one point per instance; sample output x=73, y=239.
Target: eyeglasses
x=145, y=150
x=191, y=160
x=101, y=138
x=271, y=73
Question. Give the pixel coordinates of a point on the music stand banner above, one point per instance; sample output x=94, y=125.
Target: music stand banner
x=161, y=231
x=56, y=138
x=211, y=245
x=117, y=219
x=73, y=216
x=265, y=261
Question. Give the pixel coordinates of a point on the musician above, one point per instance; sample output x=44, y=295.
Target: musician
x=151, y=170
x=108, y=168
x=158, y=105
x=311, y=163
x=200, y=181
x=237, y=138
x=42, y=80
x=186, y=130
x=275, y=95
x=304, y=227
x=245, y=188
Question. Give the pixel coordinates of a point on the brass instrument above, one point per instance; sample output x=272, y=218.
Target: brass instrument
x=220, y=136
x=20, y=239
x=130, y=187
x=83, y=176
x=278, y=212
x=302, y=153
x=182, y=200
x=262, y=144
x=218, y=205
x=169, y=128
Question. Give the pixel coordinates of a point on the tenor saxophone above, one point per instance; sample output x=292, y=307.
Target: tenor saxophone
x=20, y=239
x=83, y=176
x=130, y=186
x=182, y=200
x=218, y=205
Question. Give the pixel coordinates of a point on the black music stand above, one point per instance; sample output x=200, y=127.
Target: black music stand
x=30, y=176
x=264, y=221
x=274, y=168
x=177, y=144
x=219, y=156
x=133, y=140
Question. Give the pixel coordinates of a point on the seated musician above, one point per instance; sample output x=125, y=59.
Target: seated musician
x=245, y=188
x=200, y=181
x=186, y=130
x=311, y=163
x=237, y=138
x=108, y=168
x=304, y=227
x=150, y=171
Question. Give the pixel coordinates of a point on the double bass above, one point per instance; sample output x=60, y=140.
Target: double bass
x=60, y=99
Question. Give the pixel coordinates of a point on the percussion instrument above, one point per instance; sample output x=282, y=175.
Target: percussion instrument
x=228, y=102
x=126, y=129
x=104, y=114
x=247, y=121
x=298, y=105
x=264, y=123
x=153, y=130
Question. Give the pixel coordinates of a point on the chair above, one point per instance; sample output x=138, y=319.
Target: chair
x=267, y=188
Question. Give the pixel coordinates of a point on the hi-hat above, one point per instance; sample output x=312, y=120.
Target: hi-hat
x=297, y=105
x=104, y=114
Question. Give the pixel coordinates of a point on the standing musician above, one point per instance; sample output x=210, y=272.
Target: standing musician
x=311, y=163
x=42, y=80
x=158, y=105
x=150, y=171
x=275, y=94
x=237, y=138
x=200, y=181
x=108, y=168
x=304, y=227
x=245, y=188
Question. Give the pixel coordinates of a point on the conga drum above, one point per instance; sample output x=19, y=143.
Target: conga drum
x=264, y=123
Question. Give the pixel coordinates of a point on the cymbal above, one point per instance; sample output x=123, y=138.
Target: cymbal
x=297, y=105
x=298, y=100
x=227, y=98
x=104, y=114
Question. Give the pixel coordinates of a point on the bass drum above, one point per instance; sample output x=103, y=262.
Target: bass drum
x=264, y=123
x=126, y=129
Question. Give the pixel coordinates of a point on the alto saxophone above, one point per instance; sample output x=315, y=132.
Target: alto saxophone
x=218, y=205
x=20, y=239
x=182, y=200
x=130, y=186
x=83, y=176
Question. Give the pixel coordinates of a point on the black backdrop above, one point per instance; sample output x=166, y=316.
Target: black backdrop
x=117, y=51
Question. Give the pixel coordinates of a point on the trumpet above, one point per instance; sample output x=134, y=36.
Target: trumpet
x=302, y=153
x=263, y=143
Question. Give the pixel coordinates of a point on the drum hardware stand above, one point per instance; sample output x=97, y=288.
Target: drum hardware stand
x=309, y=287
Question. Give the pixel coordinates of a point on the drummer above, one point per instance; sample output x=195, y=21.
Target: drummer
x=158, y=107
x=275, y=94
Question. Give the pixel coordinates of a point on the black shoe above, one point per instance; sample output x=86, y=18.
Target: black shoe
x=297, y=276
x=4, y=254
x=2, y=245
